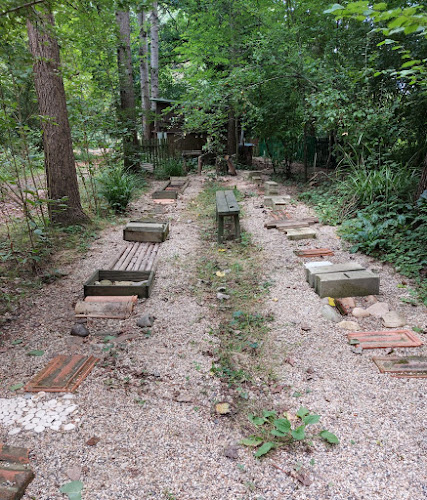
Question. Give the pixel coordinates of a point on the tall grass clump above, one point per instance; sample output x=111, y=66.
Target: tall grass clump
x=171, y=167
x=118, y=187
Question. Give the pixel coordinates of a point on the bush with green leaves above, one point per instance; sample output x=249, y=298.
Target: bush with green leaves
x=171, y=167
x=117, y=187
x=274, y=432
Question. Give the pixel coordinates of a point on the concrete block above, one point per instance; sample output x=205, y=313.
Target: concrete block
x=335, y=268
x=301, y=233
x=280, y=202
x=310, y=267
x=271, y=187
x=347, y=284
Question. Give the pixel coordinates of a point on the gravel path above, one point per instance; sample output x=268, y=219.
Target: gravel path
x=151, y=399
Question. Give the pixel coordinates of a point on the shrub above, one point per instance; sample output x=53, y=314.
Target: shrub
x=171, y=167
x=117, y=187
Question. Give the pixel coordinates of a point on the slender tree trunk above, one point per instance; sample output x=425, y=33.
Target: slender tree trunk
x=63, y=190
x=422, y=185
x=231, y=132
x=127, y=95
x=154, y=56
x=144, y=74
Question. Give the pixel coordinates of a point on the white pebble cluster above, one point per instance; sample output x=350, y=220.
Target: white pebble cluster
x=37, y=414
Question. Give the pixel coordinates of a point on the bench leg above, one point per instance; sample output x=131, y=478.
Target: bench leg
x=220, y=228
x=237, y=227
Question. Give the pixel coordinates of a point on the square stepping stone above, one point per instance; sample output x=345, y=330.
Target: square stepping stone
x=347, y=284
x=407, y=366
x=15, y=473
x=380, y=340
x=301, y=233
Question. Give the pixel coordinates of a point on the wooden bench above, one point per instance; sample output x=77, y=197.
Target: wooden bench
x=227, y=206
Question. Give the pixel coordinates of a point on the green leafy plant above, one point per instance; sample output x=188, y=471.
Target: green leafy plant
x=171, y=167
x=117, y=187
x=275, y=432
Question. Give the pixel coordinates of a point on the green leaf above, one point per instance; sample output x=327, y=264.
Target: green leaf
x=329, y=437
x=35, y=353
x=251, y=441
x=267, y=414
x=380, y=6
x=334, y=8
x=302, y=412
x=17, y=341
x=282, y=424
x=311, y=419
x=256, y=420
x=265, y=448
x=387, y=41
x=277, y=433
x=15, y=387
x=299, y=433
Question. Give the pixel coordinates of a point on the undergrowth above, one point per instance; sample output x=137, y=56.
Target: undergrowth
x=378, y=218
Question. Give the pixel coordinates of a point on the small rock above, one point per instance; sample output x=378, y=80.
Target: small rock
x=330, y=313
x=222, y=408
x=305, y=327
x=74, y=473
x=15, y=430
x=222, y=296
x=378, y=310
x=221, y=289
x=183, y=398
x=358, y=312
x=39, y=428
x=371, y=299
x=290, y=361
x=357, y=350
x=93, y=441
x=145, y=321
x=393, y=320
x=79, y=330
x=68, y=427
x=232, y=452
x=105, y=282
x=349, y=325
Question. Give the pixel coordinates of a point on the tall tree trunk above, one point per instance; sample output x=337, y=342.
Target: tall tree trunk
x=231, y=132
x=127, y=95
x=63, y=190
x=154, y=56
x=144, y=74
x=422, y=185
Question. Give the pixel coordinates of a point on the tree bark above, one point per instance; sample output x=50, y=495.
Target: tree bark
x=154, y=55
x=231, y=133
x=63, y=190
x=422, y=185
x=127, y=95
x=144, y=75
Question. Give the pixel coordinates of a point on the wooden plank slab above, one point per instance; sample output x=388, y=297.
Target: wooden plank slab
x=314, y=252
x=384, y=339
x=62, y=374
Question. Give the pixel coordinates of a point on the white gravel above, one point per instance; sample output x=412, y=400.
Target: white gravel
x=151, y=399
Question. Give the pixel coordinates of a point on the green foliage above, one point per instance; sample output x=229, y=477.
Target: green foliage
x=171, y=167
x=117, y=187
x=73, y=490
x=275, y=431
x=378, y=217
